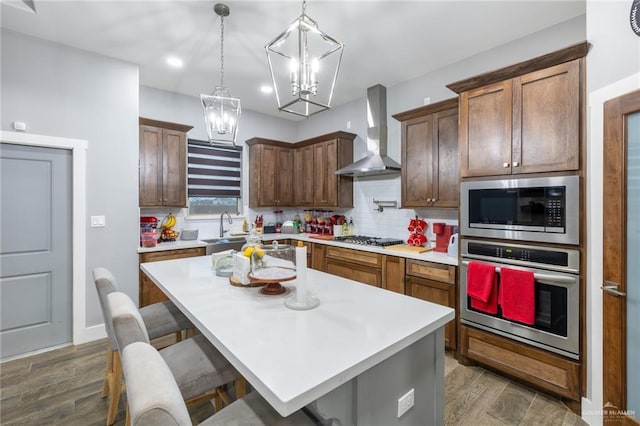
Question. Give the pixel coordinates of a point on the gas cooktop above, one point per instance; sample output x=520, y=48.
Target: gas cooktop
x=369, y=241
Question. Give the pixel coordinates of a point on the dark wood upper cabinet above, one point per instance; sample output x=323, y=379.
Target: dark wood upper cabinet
x=162, y=163
x=303, y=176
x=302, y=173
x=429, y=150
x=270, y=173
x=525, y=118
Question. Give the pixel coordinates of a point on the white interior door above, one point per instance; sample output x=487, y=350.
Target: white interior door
x=35, y=248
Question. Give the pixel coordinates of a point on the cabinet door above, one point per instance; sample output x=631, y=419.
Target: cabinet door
x=303, y=176
x=331, y=155
x=436, y=292
x=485, y=130
x=284, y=177
x=150, y=166
x=417, y=162
x=393, y=273
x=546, y=120
x=320, y=165
x=446, y=176
x=267, y=175
x=174, y=170
x=318, y=257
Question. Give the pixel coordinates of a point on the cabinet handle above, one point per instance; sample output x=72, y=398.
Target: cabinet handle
x=516, y=164
x=505, y=165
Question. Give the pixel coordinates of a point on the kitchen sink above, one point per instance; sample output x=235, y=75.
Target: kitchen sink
x=215, y=245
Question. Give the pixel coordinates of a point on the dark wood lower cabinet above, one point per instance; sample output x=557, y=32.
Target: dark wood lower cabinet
x=148, y=292
x=318, y=257
x=544, y=370
x=436, y=292
x=393, y=273
x=362, y=273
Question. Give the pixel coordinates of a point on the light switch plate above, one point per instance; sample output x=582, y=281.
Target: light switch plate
x=97, y=221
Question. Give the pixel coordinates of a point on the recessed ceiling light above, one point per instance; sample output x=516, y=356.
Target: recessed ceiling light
x=174, y=61
x=266, y=89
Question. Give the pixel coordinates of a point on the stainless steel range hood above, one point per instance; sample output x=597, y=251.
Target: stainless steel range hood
x=376, y=162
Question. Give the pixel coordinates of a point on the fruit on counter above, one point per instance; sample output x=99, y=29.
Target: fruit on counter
x=168, y=235
x=169, y=221
x=249, y=251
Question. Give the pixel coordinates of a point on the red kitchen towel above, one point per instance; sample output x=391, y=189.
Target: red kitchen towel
x=482, y=287
x=480, y=280
x=517, y=295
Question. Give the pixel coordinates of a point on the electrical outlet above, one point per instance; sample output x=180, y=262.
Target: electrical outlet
x=405, y=402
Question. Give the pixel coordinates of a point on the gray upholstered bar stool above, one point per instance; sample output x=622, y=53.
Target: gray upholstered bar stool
x=196, y=365
x=154, y=397
x=160, y=319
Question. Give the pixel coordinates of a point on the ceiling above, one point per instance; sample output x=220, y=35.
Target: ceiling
x=387, y=42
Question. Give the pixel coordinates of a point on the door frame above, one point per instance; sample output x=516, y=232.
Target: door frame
x=615, y=267
x=78, y=147
x=592, y=402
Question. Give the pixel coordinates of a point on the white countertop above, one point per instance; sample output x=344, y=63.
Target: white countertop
x=430, y=256
x=294, y=357
x=173, y=245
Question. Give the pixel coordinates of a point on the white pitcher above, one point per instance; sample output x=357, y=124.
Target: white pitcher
x=452, y=250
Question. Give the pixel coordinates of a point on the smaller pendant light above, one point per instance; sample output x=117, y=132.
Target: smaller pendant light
x=221, y=111
x=304, y=68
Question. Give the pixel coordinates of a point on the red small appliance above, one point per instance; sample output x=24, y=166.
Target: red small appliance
x=443, y=235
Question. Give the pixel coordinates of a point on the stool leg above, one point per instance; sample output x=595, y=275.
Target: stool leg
x=127, y=418
x=241, y=387
x=114, y=389
x=108, y=371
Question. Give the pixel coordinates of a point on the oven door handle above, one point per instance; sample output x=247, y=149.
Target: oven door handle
x=544, y=278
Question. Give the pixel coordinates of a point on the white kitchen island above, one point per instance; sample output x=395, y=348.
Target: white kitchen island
x=349, y=359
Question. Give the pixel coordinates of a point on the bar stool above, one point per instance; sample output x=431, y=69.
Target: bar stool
x=160, y=319
x=154, y=397
x=196, y=365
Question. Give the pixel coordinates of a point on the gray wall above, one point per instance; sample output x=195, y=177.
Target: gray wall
x=66, y=92
x=615, y=53
x=169, y=106
x=410, y=94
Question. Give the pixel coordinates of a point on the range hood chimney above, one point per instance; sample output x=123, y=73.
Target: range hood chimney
x=376, y=163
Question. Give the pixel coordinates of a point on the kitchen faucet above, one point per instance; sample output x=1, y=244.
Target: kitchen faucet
x=222, y=230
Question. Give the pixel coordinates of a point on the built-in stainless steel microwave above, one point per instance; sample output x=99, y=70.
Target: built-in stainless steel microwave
x=545, y=209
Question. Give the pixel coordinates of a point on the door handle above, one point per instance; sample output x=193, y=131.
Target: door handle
x=612, y=288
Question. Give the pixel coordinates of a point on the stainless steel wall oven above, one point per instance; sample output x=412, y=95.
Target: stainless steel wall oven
x=544, y=209
x=556, y=284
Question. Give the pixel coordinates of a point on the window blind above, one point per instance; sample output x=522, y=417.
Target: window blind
x=213, y=171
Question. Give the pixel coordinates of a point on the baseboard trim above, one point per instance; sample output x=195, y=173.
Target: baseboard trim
x=90, y=334
x=590, y=413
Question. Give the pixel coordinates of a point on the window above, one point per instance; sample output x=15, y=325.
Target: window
x=213, y=178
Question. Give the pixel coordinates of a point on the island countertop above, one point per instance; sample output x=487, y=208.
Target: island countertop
x=294, y=357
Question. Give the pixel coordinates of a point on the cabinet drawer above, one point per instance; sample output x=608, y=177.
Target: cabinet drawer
x=542, y=369
x=361, y=273
x=357, y=256
x=156, y=256
x=432, y=271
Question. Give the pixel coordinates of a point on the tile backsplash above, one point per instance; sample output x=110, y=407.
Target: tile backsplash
x=367, y=220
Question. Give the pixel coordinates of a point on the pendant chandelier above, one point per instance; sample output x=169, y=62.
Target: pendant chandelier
x=221, y=111
x=304, y=64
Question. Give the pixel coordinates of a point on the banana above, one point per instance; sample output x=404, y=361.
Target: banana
x=169, y=221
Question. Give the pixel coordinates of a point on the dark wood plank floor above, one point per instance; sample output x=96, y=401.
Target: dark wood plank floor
x=62, y=387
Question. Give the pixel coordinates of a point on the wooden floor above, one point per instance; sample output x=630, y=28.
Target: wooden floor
x=62, y=387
